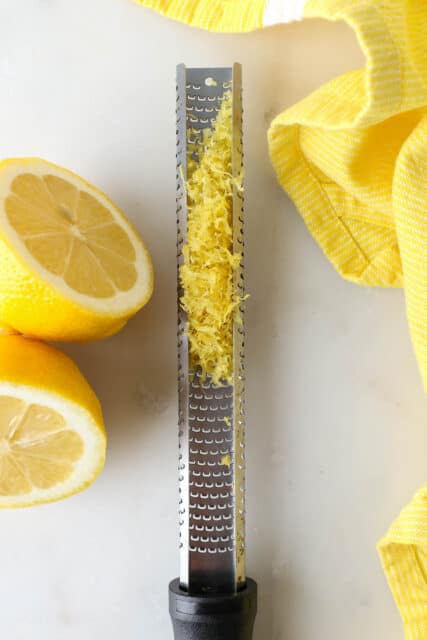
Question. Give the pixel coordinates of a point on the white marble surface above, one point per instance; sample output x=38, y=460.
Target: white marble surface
x=337, y=434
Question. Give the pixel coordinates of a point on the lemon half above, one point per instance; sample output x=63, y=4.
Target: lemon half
x=52, y=436
x=71, y=265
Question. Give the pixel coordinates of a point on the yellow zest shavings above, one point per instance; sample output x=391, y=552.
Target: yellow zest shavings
x=210, y=298
x=227, y=421
x=226, y=461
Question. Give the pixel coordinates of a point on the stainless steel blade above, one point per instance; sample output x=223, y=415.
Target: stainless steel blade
x=211, y=419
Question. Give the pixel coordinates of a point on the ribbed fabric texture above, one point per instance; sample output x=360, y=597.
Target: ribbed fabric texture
x=353, y=157
x=215, y=15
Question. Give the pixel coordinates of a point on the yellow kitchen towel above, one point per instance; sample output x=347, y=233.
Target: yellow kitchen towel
x=353, y=157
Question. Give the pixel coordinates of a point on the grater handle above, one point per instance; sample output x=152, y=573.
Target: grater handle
x=213, y=617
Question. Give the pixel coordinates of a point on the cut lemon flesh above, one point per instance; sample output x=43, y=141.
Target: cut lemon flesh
x=37, y=450
x=52, y=437
x=72, y=266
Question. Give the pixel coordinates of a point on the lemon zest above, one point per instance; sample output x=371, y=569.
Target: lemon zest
x=226, y=461
x=210, y=297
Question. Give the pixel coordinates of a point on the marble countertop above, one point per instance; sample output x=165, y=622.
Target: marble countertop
x=337, y=435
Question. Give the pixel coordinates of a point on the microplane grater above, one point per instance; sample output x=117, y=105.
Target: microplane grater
x=211, y=418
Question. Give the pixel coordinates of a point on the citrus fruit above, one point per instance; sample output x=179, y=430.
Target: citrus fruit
x=71, y=265
x=52, y=436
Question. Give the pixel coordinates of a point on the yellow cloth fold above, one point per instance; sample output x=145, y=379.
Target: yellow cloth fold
x=353, y=157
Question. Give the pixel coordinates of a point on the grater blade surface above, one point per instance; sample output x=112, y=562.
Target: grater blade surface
x=211, y=419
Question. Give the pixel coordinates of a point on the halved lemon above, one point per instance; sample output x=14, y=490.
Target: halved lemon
x=72, y=267
x=52, y=436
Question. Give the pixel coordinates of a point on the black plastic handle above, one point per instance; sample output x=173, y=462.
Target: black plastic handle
x=213, y=616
